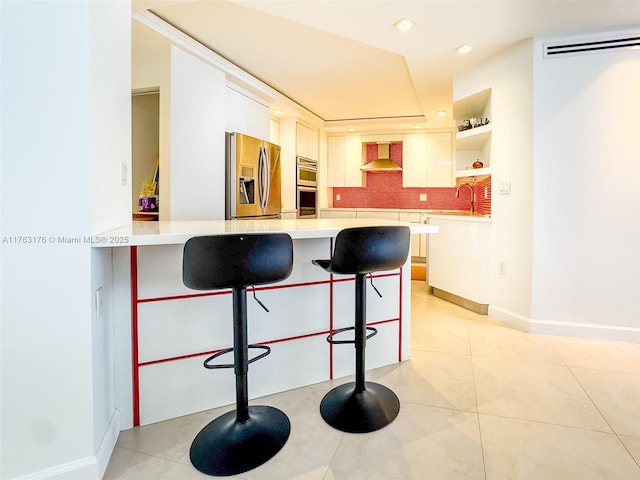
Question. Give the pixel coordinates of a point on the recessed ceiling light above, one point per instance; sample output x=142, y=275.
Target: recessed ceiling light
x=442, y=113
x=276, y=111
x=464, y=48
x=417, y=126
x=403, y=24
x=352, y=129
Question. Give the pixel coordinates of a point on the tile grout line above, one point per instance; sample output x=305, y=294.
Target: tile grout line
x=602, y=414
x=333, y=456
x=475, y=394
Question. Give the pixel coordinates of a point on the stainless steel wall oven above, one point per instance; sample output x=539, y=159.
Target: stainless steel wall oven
x=306, y=187
x=306, y=172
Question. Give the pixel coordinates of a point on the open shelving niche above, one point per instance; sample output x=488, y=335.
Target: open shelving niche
x=475, y=143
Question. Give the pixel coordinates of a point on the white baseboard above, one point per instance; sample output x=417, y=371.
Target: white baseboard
x=566, y=329
x=88, y=468
x=82, y=469
x=108, y=443
x=510, y=318
x=583, y=330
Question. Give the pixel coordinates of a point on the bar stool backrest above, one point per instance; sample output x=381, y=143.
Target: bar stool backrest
x=370, y=249
x=213, y=262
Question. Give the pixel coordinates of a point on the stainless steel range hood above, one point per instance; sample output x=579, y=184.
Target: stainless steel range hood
x=383, y=162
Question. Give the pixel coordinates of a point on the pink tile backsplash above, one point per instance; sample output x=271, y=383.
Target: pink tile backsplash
x=384, y=190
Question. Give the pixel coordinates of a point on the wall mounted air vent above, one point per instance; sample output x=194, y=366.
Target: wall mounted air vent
x=595, y=46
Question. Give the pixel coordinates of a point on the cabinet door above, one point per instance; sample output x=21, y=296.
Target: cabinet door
x=313, y=143
x=385, y=214
x=301, y=140
x=353, y=161
x=440, y=167
x=335, y=161
x=344, y=161
x=418, y=240
x=244, y=115
x=415, y=151
x=426, y=160
x=306, y=142
x=337, y=214
x=459, y=258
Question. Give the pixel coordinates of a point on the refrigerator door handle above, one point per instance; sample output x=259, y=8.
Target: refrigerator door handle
x=263, y=177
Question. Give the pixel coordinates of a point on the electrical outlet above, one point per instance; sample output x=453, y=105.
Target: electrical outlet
x=502, y=268
x=337, y=196
x=504, y=188
x=423, y=197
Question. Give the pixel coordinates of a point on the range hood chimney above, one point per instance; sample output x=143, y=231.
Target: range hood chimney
x=383, y=163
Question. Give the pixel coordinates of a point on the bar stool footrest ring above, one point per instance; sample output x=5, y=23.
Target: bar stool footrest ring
x=341, y=330
x=231, y=365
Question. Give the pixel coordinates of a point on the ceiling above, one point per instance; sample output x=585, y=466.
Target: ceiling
x=345, y=61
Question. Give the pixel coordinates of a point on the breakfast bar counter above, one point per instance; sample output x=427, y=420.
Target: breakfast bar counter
x=165, y=331
x=178, y=232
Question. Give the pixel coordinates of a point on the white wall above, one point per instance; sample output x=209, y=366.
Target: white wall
x=197, y=139
x=192, y=126
x=586, y=183
x=510, y=77
x=110, y=154
x=65, y=138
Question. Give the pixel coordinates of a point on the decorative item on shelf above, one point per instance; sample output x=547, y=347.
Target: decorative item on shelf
x=478, y=164
x=148, y=199
x=472, y=123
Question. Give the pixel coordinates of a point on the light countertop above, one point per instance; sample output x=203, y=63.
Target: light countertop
x=178, y=232
x=463, y=215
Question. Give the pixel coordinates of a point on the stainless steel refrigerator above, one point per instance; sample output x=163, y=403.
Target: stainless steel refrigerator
x=252, y=181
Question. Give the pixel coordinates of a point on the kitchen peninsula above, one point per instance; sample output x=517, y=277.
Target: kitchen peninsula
x=171, y=329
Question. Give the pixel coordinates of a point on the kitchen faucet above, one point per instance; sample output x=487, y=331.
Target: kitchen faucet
x=472, y=198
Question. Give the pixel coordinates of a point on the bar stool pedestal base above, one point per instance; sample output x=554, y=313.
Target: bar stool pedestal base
x=359, y=412
x=228, y=447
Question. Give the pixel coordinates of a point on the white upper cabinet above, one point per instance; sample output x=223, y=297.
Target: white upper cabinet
x=426, y=160
x=307, y=142
x=245, y=115
x=344, y=156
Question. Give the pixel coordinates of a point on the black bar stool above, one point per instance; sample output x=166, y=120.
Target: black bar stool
x=360, y=407
x=249, y=436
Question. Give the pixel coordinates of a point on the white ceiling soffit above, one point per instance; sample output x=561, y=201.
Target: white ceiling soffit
x=343, y=59
x=331, y=75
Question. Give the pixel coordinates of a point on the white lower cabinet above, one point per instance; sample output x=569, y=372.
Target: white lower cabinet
x=458, y=258
x=418, y=241
x=337, y=214
x=386, y=214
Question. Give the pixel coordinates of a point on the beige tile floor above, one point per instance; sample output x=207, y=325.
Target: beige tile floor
x=479, y=400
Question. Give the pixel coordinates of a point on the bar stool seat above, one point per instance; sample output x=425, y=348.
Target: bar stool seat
x=360, y=406
x=248, y=436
